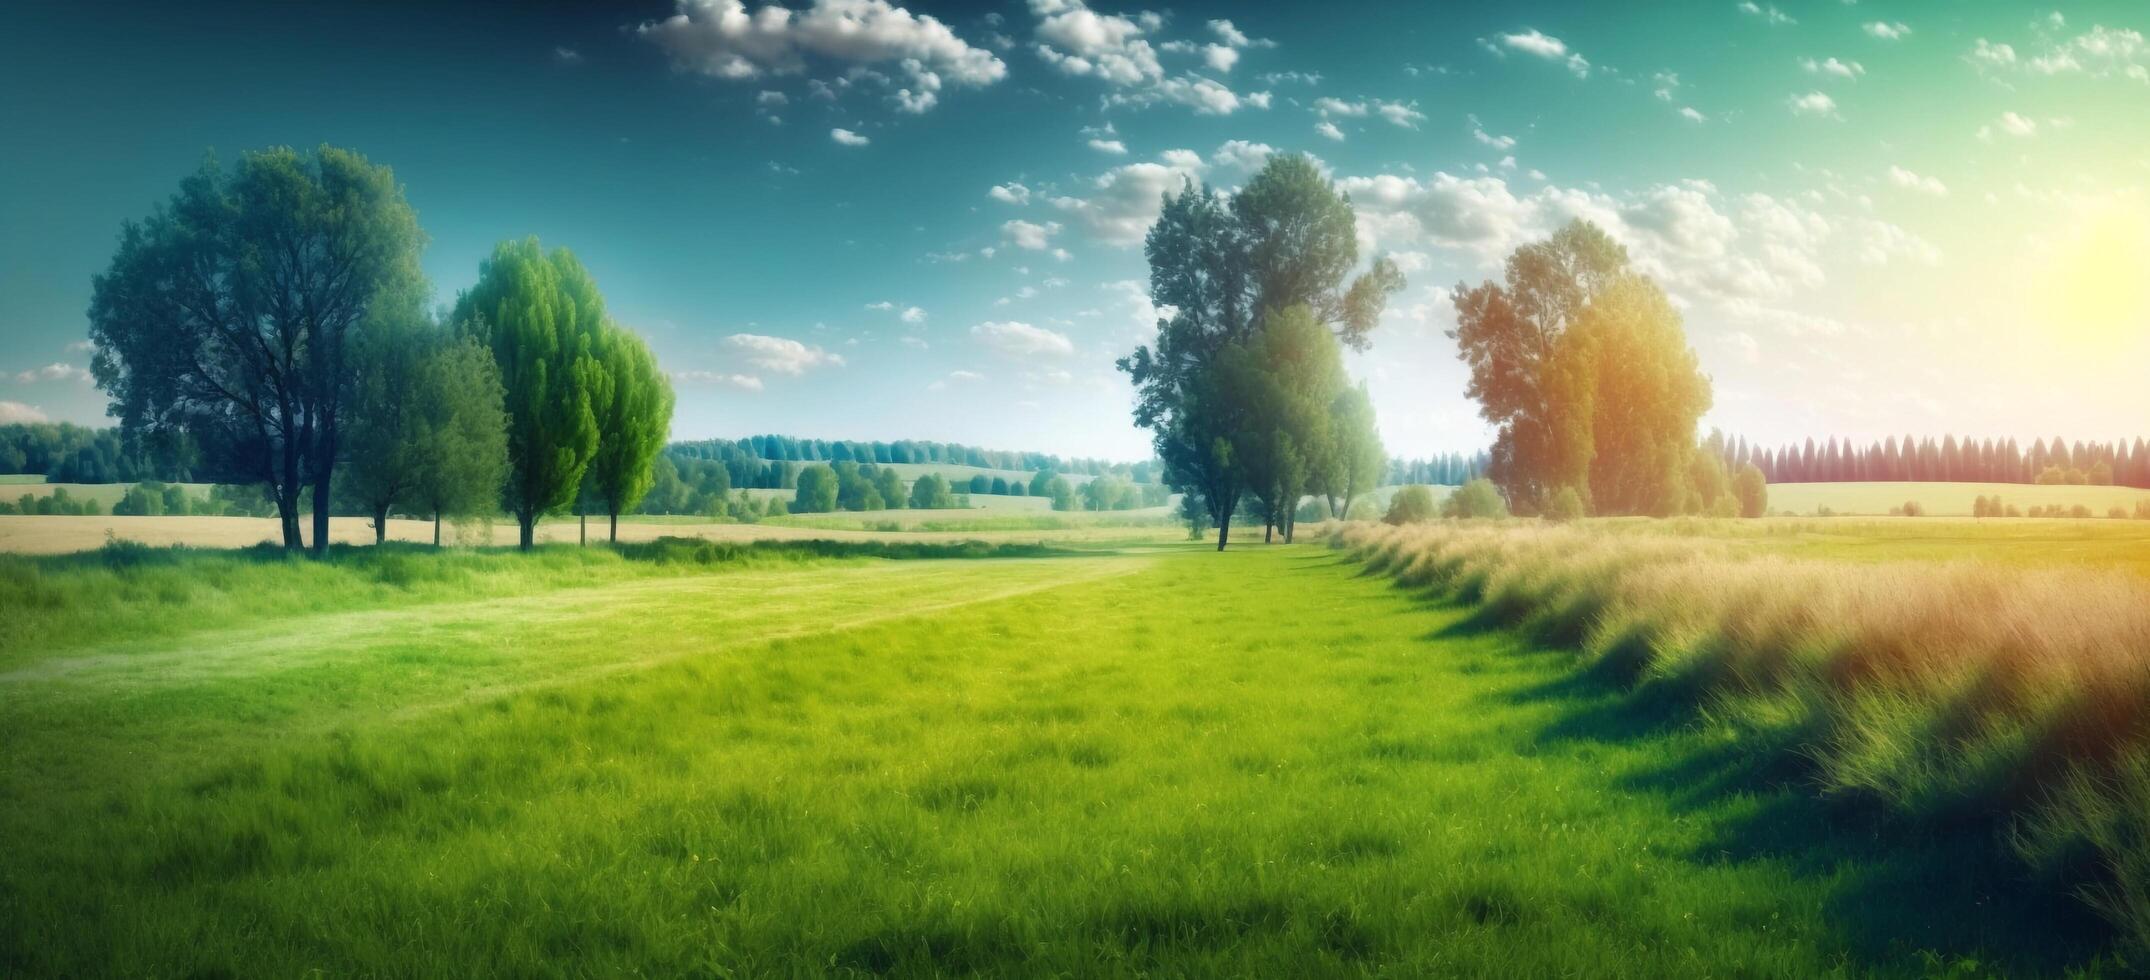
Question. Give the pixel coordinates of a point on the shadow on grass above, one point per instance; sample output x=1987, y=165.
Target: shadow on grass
x=1904, y=890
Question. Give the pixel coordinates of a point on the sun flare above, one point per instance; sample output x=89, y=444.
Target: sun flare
x=2096, y=287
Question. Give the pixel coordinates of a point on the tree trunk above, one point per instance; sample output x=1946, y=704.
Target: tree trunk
x=1224, y=531
x=1269, y=531
x=287, y=519
x=582, y=528
x=321, y=516
x=436, y=529
x=528, y=520
x=380, y=525
x=615, y=527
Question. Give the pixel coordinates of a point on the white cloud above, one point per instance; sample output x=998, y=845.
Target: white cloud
x=1886, y=30
x=17, y=412
x=1535, y=42
x=912, y=314
x=54, y=372
x=2099, y=52
x=2010, y=124
x=1911, y=181
x=1986, y=54
x=743, y=382
x=961, y=375
x=1242, y=155
x=1501, y=143
x=1019, y=339
x=1219, y=57
x=1030, y=234
x=1328, y=129
x=1769, y=14
x=1116, y=49
x=1125, y=200
x=883, y=306
x=1812, y=104
x=1832, y=68
x=1114, y=147
x=848, y=138
x=1399, y=114
x=567, y=56
x=1010, y=193
x=1689, y=112
x=723, y=39
x=781, y=355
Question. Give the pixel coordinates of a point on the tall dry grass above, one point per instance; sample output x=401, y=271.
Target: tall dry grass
x=1960, y=695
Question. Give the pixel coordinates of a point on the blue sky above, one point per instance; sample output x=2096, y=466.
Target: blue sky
x=860, y=219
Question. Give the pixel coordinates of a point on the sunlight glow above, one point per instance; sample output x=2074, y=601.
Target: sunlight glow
x=2097, y=287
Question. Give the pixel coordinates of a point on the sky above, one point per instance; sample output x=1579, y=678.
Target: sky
x=872, y=220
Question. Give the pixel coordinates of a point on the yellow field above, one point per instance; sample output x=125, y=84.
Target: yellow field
x=1942, y=499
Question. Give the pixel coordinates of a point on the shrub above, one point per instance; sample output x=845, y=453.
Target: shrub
x=2079, y=511
x=2142, y=509
x=1753, y=490
x=2117, y=513
x=2052, y=476
x=1567, y=505
x=1411, y=505
x=1477, y=498
x=1909, y=508
x=2013, y=511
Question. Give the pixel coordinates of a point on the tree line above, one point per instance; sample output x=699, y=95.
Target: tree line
x=798, y=450
x=1244, y=389
x=273, y=316
x=1951, y=460
x=1447, y=469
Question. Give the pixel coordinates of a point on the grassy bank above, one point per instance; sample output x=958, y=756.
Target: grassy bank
x=1172, y=763
x=1984, y=699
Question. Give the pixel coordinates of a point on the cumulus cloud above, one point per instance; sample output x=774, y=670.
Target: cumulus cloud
x=1242, y=155
x=848, y=138
x=53, y=372
x=1018, y=339
x=1915, y=182
x=1812, y=104
x=1769, y=13
x=1116, y=49
x=912, y=314
x=844, y=40
x=1478, y=132
x=16, y=412
x=1692, y=114
x=1114, y=147
x=1542, y=45
x=1123, y=202
x=1328, y=129
x=1886, y=30
x=1029, y=234
x=1010, y=193
x=2099, y=52
x=742, y=382
x=2010, y=124
x=781, y=355
x=1832, y=68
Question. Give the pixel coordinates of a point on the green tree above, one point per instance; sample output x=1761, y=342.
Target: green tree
x=461, y=434
x=1287, y=379
x=890, y=487
x=1753, y=490
x=1645, y=393
x=930, y=492
x=1411, y=505
x=381, y=423
x=1475, y=498
x=225, y=317
x=1062, y=492
x=1286, y=240
x=633, y=408
x=817, y=490
x=541, y=315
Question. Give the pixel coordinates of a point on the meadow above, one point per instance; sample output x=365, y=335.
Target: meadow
x=1943, y=499
x=909, y=757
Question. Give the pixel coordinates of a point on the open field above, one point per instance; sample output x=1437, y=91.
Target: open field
x=105, y=494
x=60, y=535
x=1110, y=760
x=1943, y=499
x=20, y=479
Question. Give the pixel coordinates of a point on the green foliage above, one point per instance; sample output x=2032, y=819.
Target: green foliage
x=1566, y=505
x=1477, y=498
x=817, y=491
x=461, y=433
x=889, y=487
x=541, y=315
x=1062, y=492
x=1411, y=505
x=1752, y=489
x=930, y=492
x=631, y=400
x=226, y=317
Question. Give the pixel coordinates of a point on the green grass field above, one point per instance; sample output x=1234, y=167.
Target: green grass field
x=1942, y=499
x=19, y=479
x=1135, y=759
x=105, y=494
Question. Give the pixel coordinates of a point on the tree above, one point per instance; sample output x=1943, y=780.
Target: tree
x=1285, y=240
x=542, y=317
x=930, y=492
x=632, y=404
x=1525, y=384
x=1411, y=505
x=381, y=426
x=890, y=488
x=1752, y=489
x=461, y=433
x=1475, y=498
x=225, y=317
x=1062, y=492
x=1287, y=378
x=817, y=491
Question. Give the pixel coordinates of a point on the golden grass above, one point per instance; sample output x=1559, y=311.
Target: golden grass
x=1944, y=692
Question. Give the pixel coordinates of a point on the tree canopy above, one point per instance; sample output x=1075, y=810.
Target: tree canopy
x=631, y=400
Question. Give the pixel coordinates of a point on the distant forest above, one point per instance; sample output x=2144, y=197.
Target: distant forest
x=1950, y=460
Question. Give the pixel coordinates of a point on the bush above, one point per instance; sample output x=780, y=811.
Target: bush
x=1753, y=490
x=1909, y=508
x=2117, y=513
x=2079, y=511
x=1478, y=498
x=2142, y=509
x=1567, y=505
x=1411, y=505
